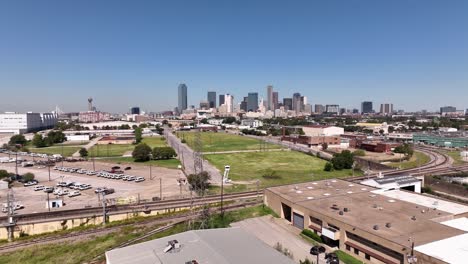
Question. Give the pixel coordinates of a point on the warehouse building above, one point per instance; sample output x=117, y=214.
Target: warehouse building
x=441, y=141
x=373, y=225
x=220, y=246
x=17, y=123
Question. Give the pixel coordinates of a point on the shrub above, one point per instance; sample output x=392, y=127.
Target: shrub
x=312, y=235
x=328, y=166
x=163, y=153
x=141, y=152
x=28, y=177
x=270, y=174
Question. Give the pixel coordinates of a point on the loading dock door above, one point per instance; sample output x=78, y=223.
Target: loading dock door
x=298, y=221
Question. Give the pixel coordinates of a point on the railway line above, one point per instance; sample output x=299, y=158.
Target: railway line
x=168, y=221
x=122, y=209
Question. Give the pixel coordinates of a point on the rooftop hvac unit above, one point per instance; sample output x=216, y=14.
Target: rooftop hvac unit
x=172, y=245
x=346, y=209
x=341, y=213
x=413, y=218
x=376, y=227
x=388, y=225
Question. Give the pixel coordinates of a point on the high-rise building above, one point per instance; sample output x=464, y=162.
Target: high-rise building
x=229, y=102
x=270, y=102
x=243, y=104
x=135, y=110
x=386, y=109
x=182, y=97
x=296, y=102
x=319, y=109
x=252, y=102
x=447, y=109
x=288, y=103
x=212, y=99
x=275, y=100
x=366, y=107
x=221, y=99
x=332, y=109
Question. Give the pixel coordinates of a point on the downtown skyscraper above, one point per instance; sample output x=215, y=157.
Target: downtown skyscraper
x=182, y=104
x=270, y=101
x=212, y=99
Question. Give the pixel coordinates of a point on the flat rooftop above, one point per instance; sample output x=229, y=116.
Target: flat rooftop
x=450, y=250
x=367, y=208
x=220, y=246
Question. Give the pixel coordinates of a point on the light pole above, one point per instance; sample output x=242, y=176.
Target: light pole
x=316, y=251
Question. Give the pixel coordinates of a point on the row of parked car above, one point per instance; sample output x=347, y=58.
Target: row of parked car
x=104, y=174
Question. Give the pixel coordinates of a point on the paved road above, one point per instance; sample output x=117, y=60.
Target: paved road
x=274, y=230
x=87, y=146
x=185, y=155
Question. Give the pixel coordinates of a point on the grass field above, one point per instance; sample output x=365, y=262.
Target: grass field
x=68, y=150
x=170, y=164
x=288, y=166
x=418, y=159
x=114, y=150
x=215, y=142
x=85, y=251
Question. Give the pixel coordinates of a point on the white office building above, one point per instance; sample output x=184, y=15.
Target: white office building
x=16, y=123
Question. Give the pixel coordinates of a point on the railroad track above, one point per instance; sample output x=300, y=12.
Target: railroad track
x=438, y=162
x=170, y=221
x=122, y=209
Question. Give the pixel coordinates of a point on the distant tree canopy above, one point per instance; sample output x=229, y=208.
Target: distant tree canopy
x=138, y=134
x=17, y=140
x=163, y=153
x=404, y=149
x=229, y=120
x=142, y=152
x=199, y=182
x=38, y=141
x=83, y=152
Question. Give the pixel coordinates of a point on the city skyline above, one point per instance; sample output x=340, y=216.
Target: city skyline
x=330, y=52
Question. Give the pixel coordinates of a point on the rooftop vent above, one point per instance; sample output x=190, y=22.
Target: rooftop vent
x=346, y=209
x=388, y=225
x=351, y=185
x=298, y=191
x=423, y=211
x=310, y=198
x=376, y=227
x=340, y=213
x=374, y=206
x=391, y=201
x=172, y=245
x=326, y=194
x=363, y=189
x=310, y=187
x=296, y=188
x=350, y=192
x=413, y=218
x=333, y=180
x=335, y=207
x=314, y=183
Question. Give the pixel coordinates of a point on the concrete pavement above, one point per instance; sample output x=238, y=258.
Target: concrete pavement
x=185, y=155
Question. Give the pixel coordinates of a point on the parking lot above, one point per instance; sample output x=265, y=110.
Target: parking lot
x=125, y=191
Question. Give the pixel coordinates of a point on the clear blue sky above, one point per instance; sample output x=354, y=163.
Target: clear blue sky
x=125, y=53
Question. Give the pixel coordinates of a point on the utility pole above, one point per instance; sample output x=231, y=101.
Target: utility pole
x=160, y=188
x=10, y=225
x=16, y=164
x=222, y=195
x=94, y=166
x=150, y=172
x=104, y=213
x=62, y=155
x=48, y=166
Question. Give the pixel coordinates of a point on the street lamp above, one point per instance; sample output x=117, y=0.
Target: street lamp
x=316, y=251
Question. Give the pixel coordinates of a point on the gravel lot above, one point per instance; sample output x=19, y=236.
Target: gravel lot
x=35, y=201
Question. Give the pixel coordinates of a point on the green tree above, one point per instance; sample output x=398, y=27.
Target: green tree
x=17, y=140
x=28, y=176
x=199, y=182
x=38, y=141
x=83, y=152
x=343, y=160
x=4, y=174
x=138, y=135
x=229, y=120
x=56, y=137
x=328, y=166
x=404, y=149
x=325, y=146
x=142, y=152
x=163, y=153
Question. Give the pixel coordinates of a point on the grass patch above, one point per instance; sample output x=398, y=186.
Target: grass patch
x=215, y=142
x=67, y=150
x=312, y=235
x=116, y=150
x=418, y=159
x=289, y=167
x=346, y=258
x=170, y=163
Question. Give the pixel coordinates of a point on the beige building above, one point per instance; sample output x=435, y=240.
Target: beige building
x=373, y=225
x=322, y=131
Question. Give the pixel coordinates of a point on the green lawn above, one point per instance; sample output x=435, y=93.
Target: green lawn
x=222, y=141
x=68, y=150
x=114, y=150
x=170, y=164
x=418, y=159
x=288, y=166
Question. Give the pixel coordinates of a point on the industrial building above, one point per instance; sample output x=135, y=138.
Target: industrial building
x=17, y=123
x=373, y=225
x=441, y=141
x=220, y=246
x=322, y=131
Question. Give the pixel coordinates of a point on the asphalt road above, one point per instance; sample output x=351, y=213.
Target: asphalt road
x=185, y=155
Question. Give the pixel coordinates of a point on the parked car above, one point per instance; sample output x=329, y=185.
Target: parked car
x=30, y=183
x=139, y=179
x=39, y=188
x=49, y=189
x=74, y=193
x=128, y=168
